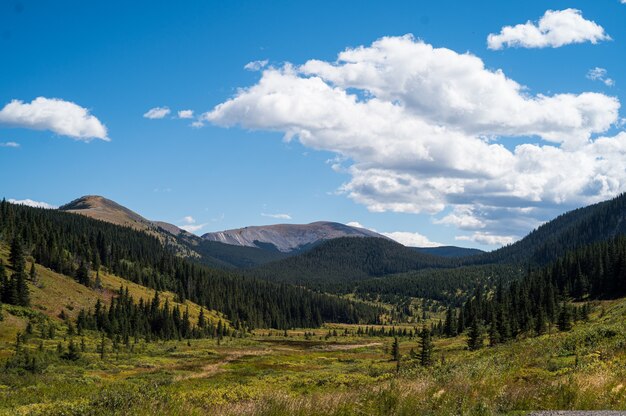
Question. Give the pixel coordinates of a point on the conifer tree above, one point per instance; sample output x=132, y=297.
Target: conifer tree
x=21, y=289
x=16, y=256
x=33, y=273
x=475, y=335
x=73, y=353
x=82, y=274
x=564, y=322
x=426, y=347
x=395, y=349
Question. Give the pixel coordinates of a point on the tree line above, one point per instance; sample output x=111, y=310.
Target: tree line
x=78, y=246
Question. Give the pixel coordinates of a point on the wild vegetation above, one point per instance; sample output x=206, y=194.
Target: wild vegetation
x=101, y=319
x=69, y=243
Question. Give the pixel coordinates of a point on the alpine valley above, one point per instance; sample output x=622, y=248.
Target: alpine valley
x=278, y=318
x=312, y=208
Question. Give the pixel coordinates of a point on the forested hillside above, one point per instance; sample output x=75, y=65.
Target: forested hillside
x=72, y=245
x=574, y=229
x=337, y=264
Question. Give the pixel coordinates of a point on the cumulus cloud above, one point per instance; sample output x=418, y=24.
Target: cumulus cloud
x=556, y=28
x=9, y=144
x=405, y=238
x=31, y=203
x=488, y=239
x=277, y=216
x=411, y=239
x=61, y=117
x=157, y=113
x=189, y=224
x=185, y=114
x=600, y=74
x=422, y=129
x=256, y=65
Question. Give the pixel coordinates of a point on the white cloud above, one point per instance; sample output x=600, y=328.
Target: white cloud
x=185, y=114
x=31, y=203
x=256, y=65
x=189, y=224
x=600, y=74
x=157, y=113
x=556, y=28
x=403, y=237
x=356, y=224
x=61, y=117
x=411, y=239
x=277, y=216
x=9, y=144
x=421, y=129
x=192, y=228
x=487, y=239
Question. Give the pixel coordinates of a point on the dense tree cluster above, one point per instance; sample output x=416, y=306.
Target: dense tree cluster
x=14, y=289
x=73, y=244
x=336, y=265
x=543, y=298
x=567, y=232
x=450, y=286
x=125, y=319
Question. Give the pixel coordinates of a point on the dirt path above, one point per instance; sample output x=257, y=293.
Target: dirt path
x=345, y=347
x=214, y=368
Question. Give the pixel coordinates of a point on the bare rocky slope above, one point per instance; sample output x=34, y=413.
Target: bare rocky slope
x=288, y=237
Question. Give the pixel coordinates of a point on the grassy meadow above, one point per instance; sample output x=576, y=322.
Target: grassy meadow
x=324, y=371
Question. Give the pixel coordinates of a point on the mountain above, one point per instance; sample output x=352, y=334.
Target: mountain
x=185, y=244
x=336, y=265
x=288, y=237
x=71, y=244
x=449, y=251
x=103, y=209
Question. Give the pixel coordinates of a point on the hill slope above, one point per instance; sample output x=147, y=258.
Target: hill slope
x=336, y=264
x=62, y=241
x=574, y=229
x=185, y=244
x=449, y=251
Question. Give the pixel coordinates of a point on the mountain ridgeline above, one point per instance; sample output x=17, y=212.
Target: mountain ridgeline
x=567, y=232
x=288, y=237
x=376, y=268
x=336, y=265
x=64, y=241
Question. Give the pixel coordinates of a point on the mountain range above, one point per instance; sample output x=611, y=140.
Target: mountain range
x=237, y=248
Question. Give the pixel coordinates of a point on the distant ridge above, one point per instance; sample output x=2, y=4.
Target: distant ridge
x=101, y=208
x=288, y=237
x=449, y=251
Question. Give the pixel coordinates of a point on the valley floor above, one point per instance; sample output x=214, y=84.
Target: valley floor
x=269, y=373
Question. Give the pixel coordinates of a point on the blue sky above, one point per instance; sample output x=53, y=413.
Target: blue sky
x=117, y=60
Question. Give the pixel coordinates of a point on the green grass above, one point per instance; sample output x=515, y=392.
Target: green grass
x=266, y=373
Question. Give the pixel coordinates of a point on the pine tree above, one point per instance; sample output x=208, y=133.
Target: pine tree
x=16, y=257
x=395, y=349
x=475, y=335
x=426, y=347
x=21, y=289
x=450, y=326
x=73, y=353
x=82, y=274
x=564, y=322
x=98, y=282
x=33, y=273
